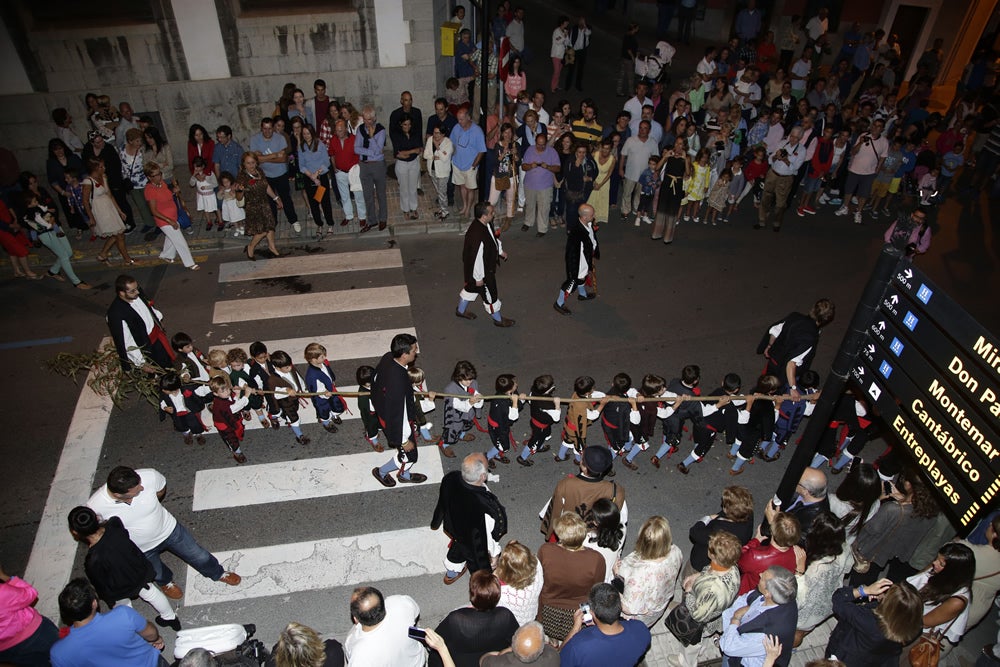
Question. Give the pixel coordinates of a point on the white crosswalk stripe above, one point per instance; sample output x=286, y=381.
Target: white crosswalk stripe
x=322, y=303
x=287, y=481
x=311, y=265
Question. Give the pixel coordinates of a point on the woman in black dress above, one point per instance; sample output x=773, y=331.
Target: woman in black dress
x=674, y=167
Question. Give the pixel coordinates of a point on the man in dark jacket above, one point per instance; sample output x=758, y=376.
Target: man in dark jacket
x=770, y=609
x=136, y=330
x=581, y=251
x=480, y=254
x=392, y=396
x=790, y=344
x=472, y=516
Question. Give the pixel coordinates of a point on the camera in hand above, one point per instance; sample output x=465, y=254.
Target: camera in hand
x=588, y=618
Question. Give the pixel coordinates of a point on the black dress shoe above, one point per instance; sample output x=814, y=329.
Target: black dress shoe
x=562, y=310
x=382, y=225
x=337, y=420
x=414, y=478
x=387, y=481
x=503, y=322
x=590, y=296
x=466, y=315
x=525, y=462
x=525, y=228
x=174, y=623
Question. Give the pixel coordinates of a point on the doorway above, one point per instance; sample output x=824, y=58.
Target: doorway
x=909, y=25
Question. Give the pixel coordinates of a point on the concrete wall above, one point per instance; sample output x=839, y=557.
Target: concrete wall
x=152, y=67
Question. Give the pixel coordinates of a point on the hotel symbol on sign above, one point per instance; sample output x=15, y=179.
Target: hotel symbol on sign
x=885, y=369
x=910, y=321
x=896, y=346
x=925, y=293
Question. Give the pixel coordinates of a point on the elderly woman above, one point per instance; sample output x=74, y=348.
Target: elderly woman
x=649, y=573
x=827, y=561
x=300, y=646
x=570, y=570
x=782, y=549
x=521, y=578
x=471, y=631
x=438, y=152
x=735, y=517
x=107, y=220
x=25, y=635
x=253, y=191
x=874, y=623
x=163, y=207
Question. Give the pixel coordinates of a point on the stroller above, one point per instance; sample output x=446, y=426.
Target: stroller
x=652, y=68
x=231, y=644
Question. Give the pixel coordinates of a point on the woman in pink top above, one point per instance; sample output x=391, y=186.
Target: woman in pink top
x=25, y=635
x=516, y=80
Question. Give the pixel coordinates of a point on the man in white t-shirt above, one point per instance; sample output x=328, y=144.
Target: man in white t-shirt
x=800, y=75
x=706, y=69
x=635, y=159
x=135, y=496
x=379, y=637
x=638, y=101
x=818, y=25
x=866, y=159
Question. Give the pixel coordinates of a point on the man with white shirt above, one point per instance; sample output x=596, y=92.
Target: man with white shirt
x=775, y=131
x=638, y=101
x=379, y=637
x=135, y=497
x=866, y=159
x=126, y=122
x=706, y=69
x=655, y=129
x=537, y=104
x=515, y=32
x=818, y=25
x=635, y=158
x=579, y=39
x=768, y=610
x=135, y=329
x=785, y=163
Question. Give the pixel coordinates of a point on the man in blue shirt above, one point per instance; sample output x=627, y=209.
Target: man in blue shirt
x=272, y=151
x=120, y=637
x=369, y=145
x=609, y=640
x=227, y=152
x=748, y=22
x=470, y=147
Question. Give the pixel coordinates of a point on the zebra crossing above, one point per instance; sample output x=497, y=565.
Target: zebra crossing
x=326, y=562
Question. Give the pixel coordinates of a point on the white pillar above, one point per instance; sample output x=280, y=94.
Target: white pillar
x=201, y=39
x=392, y=33
x=13, y=77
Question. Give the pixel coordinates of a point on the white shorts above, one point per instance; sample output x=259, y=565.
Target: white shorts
x=466, y=178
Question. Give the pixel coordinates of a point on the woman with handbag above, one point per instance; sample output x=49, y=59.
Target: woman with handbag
x=569, y=570
x=504, y=159
x=874, y=622
x=649, y=573
x=945, y=589
x=706, y=595
x=163, y=206
x=892, y=535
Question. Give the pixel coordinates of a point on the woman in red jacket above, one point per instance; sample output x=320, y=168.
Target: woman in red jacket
x=782, y=549
x=819, y=167
x=200, y=145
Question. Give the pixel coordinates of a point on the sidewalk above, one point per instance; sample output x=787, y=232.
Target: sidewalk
x=203, y=242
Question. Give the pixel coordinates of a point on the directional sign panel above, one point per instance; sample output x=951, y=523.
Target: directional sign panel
x=962, y=502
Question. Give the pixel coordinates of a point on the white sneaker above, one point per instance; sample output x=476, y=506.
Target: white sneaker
x=297, y=227
x=842, y=210
x=637, y=222
x=857, y=217
x=647, y=219
x=823, y=199
x=687, y=218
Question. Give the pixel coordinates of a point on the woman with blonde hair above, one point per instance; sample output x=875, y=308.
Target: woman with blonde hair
x=649, y=573
x=570, y=570
x=521, y=580
x=735, y=516
x=299, y=646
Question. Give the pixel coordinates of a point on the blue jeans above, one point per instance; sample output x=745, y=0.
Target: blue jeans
x=182, y=544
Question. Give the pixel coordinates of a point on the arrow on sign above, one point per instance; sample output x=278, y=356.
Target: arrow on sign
x=894, y=299
x=908, y=273
x=881, y=325
x=871, y=349
x=860, y=371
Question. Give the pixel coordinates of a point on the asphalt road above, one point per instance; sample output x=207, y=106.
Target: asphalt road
x=706, y=299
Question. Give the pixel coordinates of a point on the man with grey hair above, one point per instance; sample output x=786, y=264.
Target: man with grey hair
x=785, y=163
x=472, y=516
x=369, y=145
x=527, y=647
x=198, y=657
x=768, y=610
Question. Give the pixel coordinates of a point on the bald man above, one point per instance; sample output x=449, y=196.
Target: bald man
x=379, y=634
x=581, y=252
x=811, y=499
x=785, y=162
x=527, y=647
x=473, y=518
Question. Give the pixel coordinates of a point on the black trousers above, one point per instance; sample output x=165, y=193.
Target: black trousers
x=315, y=206
x=284, y=192
x=576, y=70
